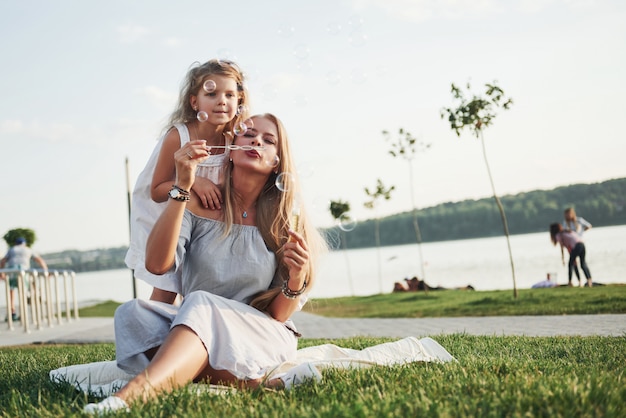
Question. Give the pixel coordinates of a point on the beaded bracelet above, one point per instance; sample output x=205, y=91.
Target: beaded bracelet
x=292, y=294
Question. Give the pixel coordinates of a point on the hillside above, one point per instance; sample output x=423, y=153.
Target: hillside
x=602, y=204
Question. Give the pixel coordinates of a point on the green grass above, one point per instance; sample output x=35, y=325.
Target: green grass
x=495, y=377
x=106, y=308
x=455, y=303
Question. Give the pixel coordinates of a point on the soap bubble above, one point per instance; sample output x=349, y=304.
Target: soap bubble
x=273, y=162
x=241, y=109
x=240, y=129
x=347, y=222
x=357, y=39
x=209, y=86
x=249, y=123
x=286, y=31
x=333, y=28
x=301, y=51
x=202, y=116
x=333, y=77
x=285, y=182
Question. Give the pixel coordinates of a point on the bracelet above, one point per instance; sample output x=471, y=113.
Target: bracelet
x=292, y=294
x=181, y=190
x=179, y=194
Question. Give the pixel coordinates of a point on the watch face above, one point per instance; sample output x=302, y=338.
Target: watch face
x=174, y=193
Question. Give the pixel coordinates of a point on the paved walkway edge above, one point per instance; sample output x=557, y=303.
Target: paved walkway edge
x=92, y=330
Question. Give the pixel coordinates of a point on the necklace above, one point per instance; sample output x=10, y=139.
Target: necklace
x=244, y=214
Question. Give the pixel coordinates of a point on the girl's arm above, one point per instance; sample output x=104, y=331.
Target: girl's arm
x=296, y=258
x=165, y=169
x=209, y=193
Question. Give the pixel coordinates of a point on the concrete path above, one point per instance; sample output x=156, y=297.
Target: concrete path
x=90, y=330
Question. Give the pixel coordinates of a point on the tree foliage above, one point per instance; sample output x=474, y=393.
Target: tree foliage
x=26, y=233
x=339, y=209
x=476, y=113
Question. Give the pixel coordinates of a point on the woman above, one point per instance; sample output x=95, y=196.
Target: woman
x=576, y=248
x=245, y=270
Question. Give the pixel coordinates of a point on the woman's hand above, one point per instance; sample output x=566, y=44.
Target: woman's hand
x=187, y=159
x=296, y=258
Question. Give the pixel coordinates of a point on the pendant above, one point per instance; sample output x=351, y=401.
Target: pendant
x=245, y=214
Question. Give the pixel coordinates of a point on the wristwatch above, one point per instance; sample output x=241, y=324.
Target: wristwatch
x=179, y=194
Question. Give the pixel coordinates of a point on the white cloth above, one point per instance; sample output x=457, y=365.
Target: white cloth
x=544, y=283
x=105, y=378
x=145, y=212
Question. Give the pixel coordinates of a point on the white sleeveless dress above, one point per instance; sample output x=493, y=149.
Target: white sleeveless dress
x=145, y=211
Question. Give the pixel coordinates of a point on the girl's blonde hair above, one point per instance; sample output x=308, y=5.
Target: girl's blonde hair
x=274, y=208
x=194, y=82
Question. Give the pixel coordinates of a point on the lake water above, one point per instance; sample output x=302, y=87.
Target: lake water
x=483, y=263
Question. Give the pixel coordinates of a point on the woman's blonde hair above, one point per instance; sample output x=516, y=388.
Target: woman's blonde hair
x=274, y=208
x=194, y=82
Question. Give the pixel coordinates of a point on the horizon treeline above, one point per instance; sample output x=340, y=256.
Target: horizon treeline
x=602, y=204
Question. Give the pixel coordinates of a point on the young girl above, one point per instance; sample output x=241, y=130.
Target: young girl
x=576, y=248
x=212, y=105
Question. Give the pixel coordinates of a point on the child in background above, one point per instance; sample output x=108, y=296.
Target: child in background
x=576, y=248
x=212, y=105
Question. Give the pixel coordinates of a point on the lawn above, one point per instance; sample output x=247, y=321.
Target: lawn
x=494, y=377
x=454, y=303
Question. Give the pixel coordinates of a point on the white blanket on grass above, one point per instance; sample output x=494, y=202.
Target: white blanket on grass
x=105, y=378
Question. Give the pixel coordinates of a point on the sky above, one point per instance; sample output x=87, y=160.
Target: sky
x=87, y=86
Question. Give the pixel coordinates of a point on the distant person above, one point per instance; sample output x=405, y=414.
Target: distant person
x=571, y=222
x=212, y=104
x=18, y=257
x=576, y=248
x=548, y=282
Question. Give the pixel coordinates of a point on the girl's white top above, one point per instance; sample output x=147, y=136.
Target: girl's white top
x=145, y=211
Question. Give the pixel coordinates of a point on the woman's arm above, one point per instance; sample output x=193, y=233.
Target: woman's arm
x=163, y=239
x=165, y=169
x=296, y=258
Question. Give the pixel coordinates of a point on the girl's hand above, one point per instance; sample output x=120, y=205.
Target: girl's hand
x=210, y=195
x=296, y=258
x=187, y=159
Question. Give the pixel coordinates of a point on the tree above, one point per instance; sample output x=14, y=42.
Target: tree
x=371, y=204
x=339, y=211
x=476, y=114
x=406, y=146
x=26, y=233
